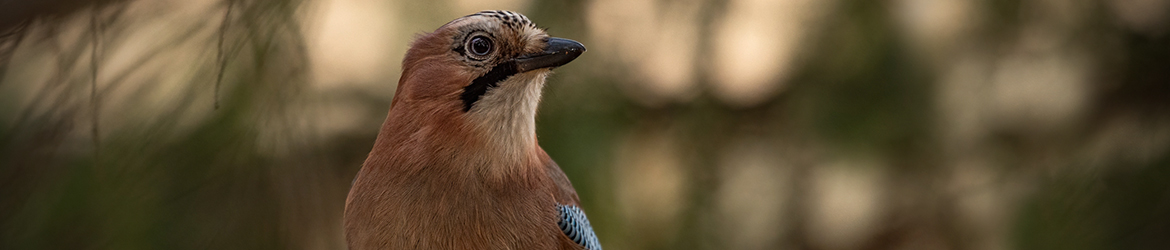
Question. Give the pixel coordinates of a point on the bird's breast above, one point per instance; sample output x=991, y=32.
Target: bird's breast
x=435, y=209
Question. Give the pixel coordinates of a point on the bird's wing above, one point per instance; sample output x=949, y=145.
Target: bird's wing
x=576, y=226
x=564, y=193
x=572, y=220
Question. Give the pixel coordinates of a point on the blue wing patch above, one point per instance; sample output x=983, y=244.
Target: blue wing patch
x=575, y=225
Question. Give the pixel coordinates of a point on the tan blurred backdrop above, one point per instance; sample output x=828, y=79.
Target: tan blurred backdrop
x=689, y=124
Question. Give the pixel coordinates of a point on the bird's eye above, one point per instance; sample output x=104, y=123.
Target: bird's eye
x=480, y=46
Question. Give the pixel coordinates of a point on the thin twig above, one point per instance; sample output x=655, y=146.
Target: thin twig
x=9, y=40
x=220, y=58
x=93, y=62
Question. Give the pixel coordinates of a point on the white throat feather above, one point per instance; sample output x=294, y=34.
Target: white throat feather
x=506, y=115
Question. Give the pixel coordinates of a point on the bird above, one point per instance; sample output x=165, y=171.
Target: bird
x=456, y=164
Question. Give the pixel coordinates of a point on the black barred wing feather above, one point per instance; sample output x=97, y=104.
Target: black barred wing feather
x=575, y=225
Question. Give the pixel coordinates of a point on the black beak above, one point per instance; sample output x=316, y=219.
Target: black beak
x=559, y=52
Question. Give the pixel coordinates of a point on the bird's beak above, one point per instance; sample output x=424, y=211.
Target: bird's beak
x=559, y=51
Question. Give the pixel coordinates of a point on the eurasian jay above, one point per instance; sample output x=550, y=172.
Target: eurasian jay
x=456, y=164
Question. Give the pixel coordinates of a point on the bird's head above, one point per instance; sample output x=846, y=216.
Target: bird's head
x=482, y=72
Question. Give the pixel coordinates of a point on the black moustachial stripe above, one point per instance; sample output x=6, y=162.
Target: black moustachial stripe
x=481, y=85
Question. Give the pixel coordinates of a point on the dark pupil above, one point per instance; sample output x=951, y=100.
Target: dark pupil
x=481, y=46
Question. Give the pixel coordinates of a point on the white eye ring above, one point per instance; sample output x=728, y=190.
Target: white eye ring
x=479, y=46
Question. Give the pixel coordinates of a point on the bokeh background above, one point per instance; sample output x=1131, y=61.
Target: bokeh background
x=689, y=124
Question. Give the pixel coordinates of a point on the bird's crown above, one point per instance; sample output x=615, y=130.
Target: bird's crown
x=511, y=19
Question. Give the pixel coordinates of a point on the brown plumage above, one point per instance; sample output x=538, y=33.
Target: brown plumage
x=456, y=165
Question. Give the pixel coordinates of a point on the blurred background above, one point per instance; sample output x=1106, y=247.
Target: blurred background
x=689, y=124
